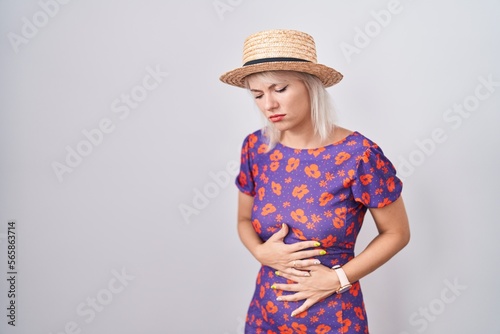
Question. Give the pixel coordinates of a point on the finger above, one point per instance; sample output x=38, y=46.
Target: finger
x=298, y=246
x=292, y=298
x=304, y=307
x=286, y=287
x=297, y=277
x=308, y=254
x=299, y=264
x=281, y=234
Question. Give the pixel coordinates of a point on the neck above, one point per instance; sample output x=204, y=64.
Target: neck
x=305, y=139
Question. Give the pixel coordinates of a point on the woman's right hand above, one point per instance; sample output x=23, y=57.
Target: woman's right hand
x=288, y=258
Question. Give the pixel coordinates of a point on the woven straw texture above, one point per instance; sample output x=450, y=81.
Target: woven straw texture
x=280, y=43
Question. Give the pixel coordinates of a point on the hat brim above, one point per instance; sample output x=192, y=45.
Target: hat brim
x=327, y=75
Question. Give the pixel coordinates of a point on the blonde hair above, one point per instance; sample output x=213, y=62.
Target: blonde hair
x=322, y=111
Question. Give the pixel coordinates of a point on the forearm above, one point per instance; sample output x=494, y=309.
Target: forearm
x=379, y=251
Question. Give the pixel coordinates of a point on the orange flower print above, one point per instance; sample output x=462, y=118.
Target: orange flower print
x=347, y=182
x=359, y=312
x=261, y=192
x=276, y=187
x=380, y=162
x=354, y=290
x=274, y=166
x=305, y=189
x=293, y=163
x=341, y=157
x=316, y=151
x=262, y=292
x=256, y=226
x=329, y=241
x=385, y=202
x=262, y=148
x=298, y=233
x=346, y=324
x=390, y=184
x=264, y=313
x=242, y=178
x=267, y=209
x=337, y=222
x=298, y=216
x=271, y=308
x=252, y=139
x=322, y=329
x=315, y=218
x=365, y=157
x=325, y=198
x=255, y=170
x=341, y=212
x=299, y=192
x=312, y=171
x=284, y=329
x=366, y=179
x=365, y=198
x=349, y=229
x=276, y=156
x=299, y=328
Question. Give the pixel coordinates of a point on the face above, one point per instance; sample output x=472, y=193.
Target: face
x=284, y=102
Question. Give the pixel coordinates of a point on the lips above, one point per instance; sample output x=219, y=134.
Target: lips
x=276, y=118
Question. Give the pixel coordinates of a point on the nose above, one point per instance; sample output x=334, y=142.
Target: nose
x=270, y=103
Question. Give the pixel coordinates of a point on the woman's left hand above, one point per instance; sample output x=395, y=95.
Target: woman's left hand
x=321, y=283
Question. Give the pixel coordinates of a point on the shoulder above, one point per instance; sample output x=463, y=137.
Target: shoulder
x=255, y=143
x=357, y=145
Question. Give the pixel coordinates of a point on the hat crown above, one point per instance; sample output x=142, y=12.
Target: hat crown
x=279, y=44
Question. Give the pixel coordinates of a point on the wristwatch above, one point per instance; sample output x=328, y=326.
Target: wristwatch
x=344, y=281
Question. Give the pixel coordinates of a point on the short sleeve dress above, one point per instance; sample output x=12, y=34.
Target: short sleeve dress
x=322, y=194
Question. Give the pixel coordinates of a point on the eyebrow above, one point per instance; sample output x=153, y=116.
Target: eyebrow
x=259, y=91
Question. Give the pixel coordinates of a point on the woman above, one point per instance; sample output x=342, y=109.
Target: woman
x=305, y=185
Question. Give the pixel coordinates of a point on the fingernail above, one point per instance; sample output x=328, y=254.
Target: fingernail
x=282, y=225
x=277, y=273
x=293, y=314
x=317, y=244
x=279, y=298
x=273, y=287
x=307, y=274
x=322, y=252
x=317, y=262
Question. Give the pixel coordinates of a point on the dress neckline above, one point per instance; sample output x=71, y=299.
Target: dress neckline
x=352, y=134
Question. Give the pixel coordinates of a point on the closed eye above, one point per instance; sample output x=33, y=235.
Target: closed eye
x=282, y=89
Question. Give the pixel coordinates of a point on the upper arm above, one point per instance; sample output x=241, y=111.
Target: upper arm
x=392, y=218
x=245, y=205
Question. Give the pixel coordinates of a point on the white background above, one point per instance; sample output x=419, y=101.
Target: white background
x=118, y=210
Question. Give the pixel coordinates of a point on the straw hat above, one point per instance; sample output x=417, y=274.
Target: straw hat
x=285, y=50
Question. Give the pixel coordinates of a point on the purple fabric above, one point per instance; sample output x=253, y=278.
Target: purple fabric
x=322, y=194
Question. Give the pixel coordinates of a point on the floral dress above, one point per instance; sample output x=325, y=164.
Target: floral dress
x=323, y=195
